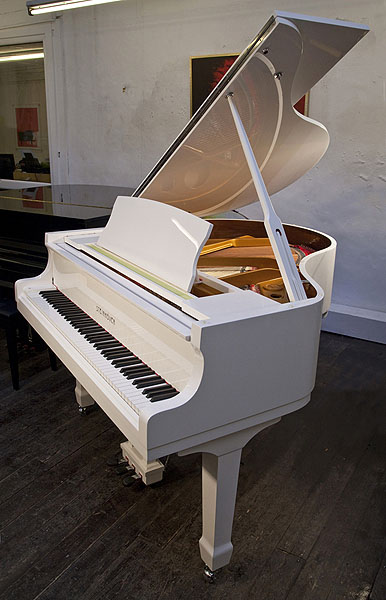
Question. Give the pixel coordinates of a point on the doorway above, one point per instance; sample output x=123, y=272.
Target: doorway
x=24, y=144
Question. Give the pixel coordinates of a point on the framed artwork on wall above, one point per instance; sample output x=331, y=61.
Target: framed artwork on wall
x=207, y=71
x=27, y=126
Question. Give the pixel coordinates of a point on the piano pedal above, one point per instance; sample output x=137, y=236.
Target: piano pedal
x=128, y=480
x=115, y=460
x=124, y=469
x=149, y=472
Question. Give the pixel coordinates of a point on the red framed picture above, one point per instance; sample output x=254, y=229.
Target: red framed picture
x=27, y=126
x=207, y=71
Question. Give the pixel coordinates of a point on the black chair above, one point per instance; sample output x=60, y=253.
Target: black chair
x=7, y=166
x=11, y=320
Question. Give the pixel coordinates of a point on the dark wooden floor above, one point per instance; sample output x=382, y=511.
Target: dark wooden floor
x=310, y=516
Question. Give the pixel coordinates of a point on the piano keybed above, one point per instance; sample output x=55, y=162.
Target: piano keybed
x=135, y=381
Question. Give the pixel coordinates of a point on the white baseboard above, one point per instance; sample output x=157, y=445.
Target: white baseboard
x=356, y=322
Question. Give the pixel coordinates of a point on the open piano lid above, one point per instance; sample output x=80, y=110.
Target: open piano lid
x=204, y=171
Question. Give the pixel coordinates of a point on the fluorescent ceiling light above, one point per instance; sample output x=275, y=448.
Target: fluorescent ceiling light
x=21, y=49
x=30, y=56
x=38, y=7
x=21, y=52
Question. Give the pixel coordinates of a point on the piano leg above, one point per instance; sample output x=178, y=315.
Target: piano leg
x=220, y=473
x=219, y=486
x=83, y=398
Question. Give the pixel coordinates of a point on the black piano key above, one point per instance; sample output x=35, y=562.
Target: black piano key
x=95, y=339
x=120, y=354
x=140, y=366
x=148, y=382
x=154, y=392
x=71, y=316
x=94, y=336
x=75, y=319
x=102, y=336
x=164, y=396
x=99, y=331
x=92, y=328
x=106, y=344
x=66, y=310
x=61, y=305
x=106, y=340
x=107, y=356
x=68, y=307
x=115, y=353
x=86, y=333
x=89, y=324
x=112, y=354
x=136, y=374
x=83, y=321
x=120, y=347
x=126, y=361
x=52, y=296
x=70, y=313
x=130, y=368
x=109, y=348
x=98, y=336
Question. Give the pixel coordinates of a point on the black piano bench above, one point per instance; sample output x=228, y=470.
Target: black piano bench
x=10, y=320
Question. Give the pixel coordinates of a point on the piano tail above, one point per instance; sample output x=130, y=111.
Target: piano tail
x=220, y=473
x=318, y=269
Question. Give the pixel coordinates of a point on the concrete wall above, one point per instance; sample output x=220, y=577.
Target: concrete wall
x=127, y=95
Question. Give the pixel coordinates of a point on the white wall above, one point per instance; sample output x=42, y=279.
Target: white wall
x=127, y=95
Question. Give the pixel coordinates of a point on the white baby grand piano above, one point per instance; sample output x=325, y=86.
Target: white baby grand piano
x=150, y=314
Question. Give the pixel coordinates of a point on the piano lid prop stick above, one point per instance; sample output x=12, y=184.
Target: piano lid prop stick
x=273, y=225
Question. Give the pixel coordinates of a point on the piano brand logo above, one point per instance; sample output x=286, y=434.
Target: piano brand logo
x=105, y=314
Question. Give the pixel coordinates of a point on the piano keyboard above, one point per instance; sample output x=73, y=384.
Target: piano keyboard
x=132, y=378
